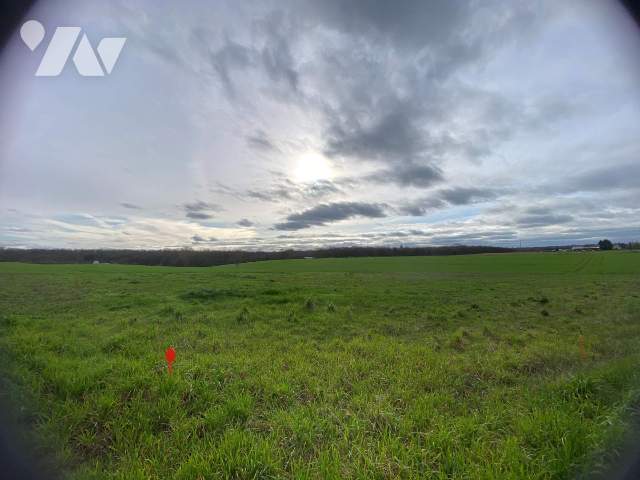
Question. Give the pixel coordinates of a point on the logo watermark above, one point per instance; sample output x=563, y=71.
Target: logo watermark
x=61, y=47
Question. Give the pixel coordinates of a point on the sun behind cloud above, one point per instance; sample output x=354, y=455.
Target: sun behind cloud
x=311, y=167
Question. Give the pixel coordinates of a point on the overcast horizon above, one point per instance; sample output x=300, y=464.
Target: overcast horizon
x=286, y=124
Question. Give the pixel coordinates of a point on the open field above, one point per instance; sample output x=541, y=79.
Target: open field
x=399, y=367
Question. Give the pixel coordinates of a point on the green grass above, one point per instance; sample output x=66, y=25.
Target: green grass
x=412, y=367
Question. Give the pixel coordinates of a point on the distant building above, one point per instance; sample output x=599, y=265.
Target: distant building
x=96, y=262
x=584, y=248
x=308, y=258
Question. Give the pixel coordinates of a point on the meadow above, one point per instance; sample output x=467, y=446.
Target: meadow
x=462, y=367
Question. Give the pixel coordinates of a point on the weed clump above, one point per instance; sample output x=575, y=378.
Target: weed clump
x=544, y=313
x=271, y=291
x=292, y=317
x=244, y=316
x=458, y=339
x=543, y=300
x=7, y=321
x=209, y=295
x=350, y=313
x=309, y=304
x=331, y=308
x=172, y=312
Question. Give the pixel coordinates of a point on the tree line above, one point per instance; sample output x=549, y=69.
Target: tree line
x=207, y=258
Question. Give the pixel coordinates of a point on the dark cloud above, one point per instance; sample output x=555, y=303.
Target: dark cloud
x=272, y=194
x=288, y=190
x=421, y=206
x=476, y=238
x=199, y=205
x=537, y=210
x=423, y=130
x=130, y=206
x=200, y=210
x=245, y=223
x=331, y=212
x=198, y=215
x=373, y=108
x=626, y=176
x=465, y=196
x=260, y=141
x=231, y=56
x=320, y=188
x=449, y=196
x=272, y=57
x=409, y=23
x=408, y=175
x=542, y=220
x=391, y=114
x=276, y=56
x=393, y=136
x=200, y=239
x=222, y=189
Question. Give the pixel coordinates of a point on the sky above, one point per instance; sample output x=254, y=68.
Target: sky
x=267, y=125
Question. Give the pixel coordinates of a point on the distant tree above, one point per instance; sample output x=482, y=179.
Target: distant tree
x=605, y=244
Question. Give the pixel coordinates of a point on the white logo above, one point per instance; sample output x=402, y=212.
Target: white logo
x=61, y=46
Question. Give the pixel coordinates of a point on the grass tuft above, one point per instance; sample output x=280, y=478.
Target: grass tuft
x=310, y=304
x=244, y=315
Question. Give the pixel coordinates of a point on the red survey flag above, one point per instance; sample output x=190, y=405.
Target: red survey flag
x=170, y=355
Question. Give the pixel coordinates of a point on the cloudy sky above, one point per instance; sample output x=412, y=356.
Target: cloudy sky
x=276, y=124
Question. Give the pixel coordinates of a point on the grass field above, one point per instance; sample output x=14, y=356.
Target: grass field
x=487, y=366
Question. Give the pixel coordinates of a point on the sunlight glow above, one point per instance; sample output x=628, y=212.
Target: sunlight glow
x=312, y=167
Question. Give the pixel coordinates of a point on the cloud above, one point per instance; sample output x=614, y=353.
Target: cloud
x=260, y=141
x=276, y=56
x=542, y=220
x=273, y=194
x=624, y=176
x=421, y=206
x=331, y=212
x=286, y=189
x=245, y=223
x=198, y=215
x=130, y=206
x=269, y=56
x=410, y=24
x=200, y=210
x=455, y=196
x=408, y=175
x=464, y=196
x=393, y=136
x=319, y=188
x=200, y=205
x=231, y=56
x=197, y=239
x=475, y=238
x=398, y=101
